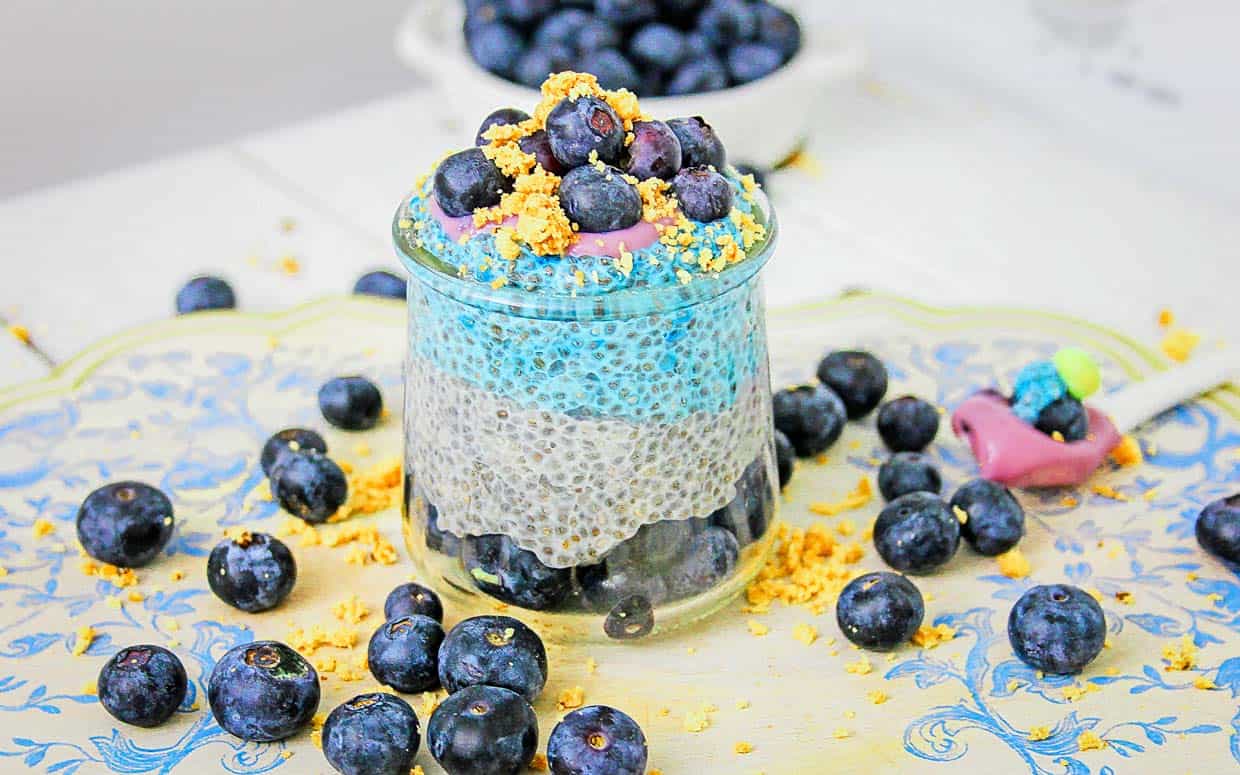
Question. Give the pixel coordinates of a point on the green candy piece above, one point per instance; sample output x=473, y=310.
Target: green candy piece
x=1079, y=371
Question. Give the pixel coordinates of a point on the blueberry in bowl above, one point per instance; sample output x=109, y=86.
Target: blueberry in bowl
x=514, y=575
x=125, y=524
x=251, y=572
x=142, y=685
x=263, y=691
x=600, y=200
x=880, y=611
x=372, y=734
x=916, y=533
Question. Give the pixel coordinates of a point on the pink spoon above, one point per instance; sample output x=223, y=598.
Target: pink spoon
x=1013, y=452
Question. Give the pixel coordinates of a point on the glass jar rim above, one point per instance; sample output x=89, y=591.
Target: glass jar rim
x=427, y=269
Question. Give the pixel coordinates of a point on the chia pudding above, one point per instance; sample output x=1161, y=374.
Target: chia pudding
x=588, y=406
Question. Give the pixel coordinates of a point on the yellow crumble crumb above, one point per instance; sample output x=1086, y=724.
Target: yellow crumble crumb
x=861, y=667
x=929, y=637
x=21, y=334
x=1166, y=318
x=1057, y=436
x=289, y=265
x=698, y=720
x=1125, y=598
x=90, y=687
x=1077, y=691
x=962, y=516
x=808, y=567
x=350, y=610
x=743, y=748
x=286, y=755
x=860, y=496
x=742, y=704
x=1095, y=594
x=757, y=628
x=1215, y=597
x=1180, y=656
x=1013, y=564
x=1179, y=343
x=1202, y=682
x=177, y=575
x=805, y=633
x=120, y=578
x=1127, y=452
x=1088, y=741
x=1039, y=733
x=573, y=697
x=591, y=666
x=539, y=763
x=361, y=449
x=1068, y=502
x=43, y=527
x=846, y=527
x=3, y=571
x=1150, y=494
x=840, y=733
x=309, y=642
x=83, y=638
x=877, y=697
x=1107, y=491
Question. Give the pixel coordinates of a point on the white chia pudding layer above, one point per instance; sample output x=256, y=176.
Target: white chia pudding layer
x=569, y=489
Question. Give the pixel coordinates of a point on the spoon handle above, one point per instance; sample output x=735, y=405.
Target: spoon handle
x=1134, y=405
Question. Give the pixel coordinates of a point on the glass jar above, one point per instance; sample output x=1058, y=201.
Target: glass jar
x=605, y=462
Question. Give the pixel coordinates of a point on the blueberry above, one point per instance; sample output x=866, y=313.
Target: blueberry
x=412, y=598
x=483, y=730
x=562, y=27
x=728, y=22
x=501, y=117
x=697, y=46
x=600, y=200
x=468, y=180
x=514, y=575
x=680, y=10
x=493, y=650
x=578, y=126
x=785, y=457
x=1218, y=528
x=351, y=403
x=1065, y=415
x=630, y=619
x=698, y=76
x=597, y=740
x=811, y=416
x=710, y=559
x=539, y=62
x=699, y=145
x=437, y=539
x=908, y=424
x=263, y=691
x=612, y=69
x=526, y=12
x=289, y=440
x=1057, y=628
x=404, y=653
x=778, y=28
x=658, y=46
x=142, y=685
x=309, y=485
x=380, y=283
x=372, y=734
x=704, y=194
x=597, y=35
x=626, y=12
x=916, y=533
x=749, y=62
x=996, y=521
x=125, y=523
x=858, y=378
x=879, y=611
x=481, y=12
x=749, y=514
x=538, y=145
x=618, y=576
x=495, y=46
x=203, y=293
x=759, y=174
x=906, y=472
x=654, y=152
x=253, y=572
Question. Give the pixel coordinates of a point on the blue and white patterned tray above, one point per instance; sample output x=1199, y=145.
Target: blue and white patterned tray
x=186, y=405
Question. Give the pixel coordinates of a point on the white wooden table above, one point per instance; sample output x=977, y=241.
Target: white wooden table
x=943, y=197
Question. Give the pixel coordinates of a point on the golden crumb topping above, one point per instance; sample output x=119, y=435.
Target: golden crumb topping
x=928, y=637
x=860, y=496
x=1038, y=733
x=1128, y=452
x=1013, y=564
x=1180, y=656
x=572, y=697
x=1088, y=741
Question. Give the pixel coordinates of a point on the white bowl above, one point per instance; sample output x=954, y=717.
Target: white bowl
x=760, y=123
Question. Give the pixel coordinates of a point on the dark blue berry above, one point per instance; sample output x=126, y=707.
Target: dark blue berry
x=351, y=403
x=125, y=523
x=748, y=515
x=495, y=46
x=697, y=46
x=514, y=575
x=726, y=23
x=309, y=485
x=481, y=12
x=142, y=685
x=404, y=653
x=811, y=416
x=493, y=650
x=630, y=619
x=562, y=27
x=704, y=195
x=289, y=440
x=263, y=691
x=538, y=145
x=698, y=76
x=372, y=734
x=618, y=576
x=916, y=533
x=539, y=62
x=501, y=117
x=1057, y=628
x=252, y=572
x=600, y=200
x=483, y=730
x=858, y=378
x=597, y=740
x=437, y=539
x=380, y=283
x=468, y=180
x=654, y=152
x=626, y=12
x=526, y=12
x=711, y=557
x=786, y=457
x=879, y=611
x=578, y=126
x=680, y=10
x=906, y=472
x=759, y=174
x=203, y=293
x=660, y=46
x=1218, y=528
x=996, y=521
x=778, y=28
x=908, y=424
x=749, y=62
x=1065, y=415
x=412, y=598
x=699, y=145
x=597, y=35
x=612, y=69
